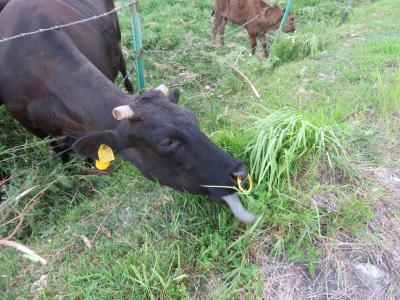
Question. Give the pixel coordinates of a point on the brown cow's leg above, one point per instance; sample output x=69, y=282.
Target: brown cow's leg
x=222, y=30
x=217, y=23
x=263, y=44
x=253, y=43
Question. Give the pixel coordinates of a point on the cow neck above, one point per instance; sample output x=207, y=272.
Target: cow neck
x=91, y=98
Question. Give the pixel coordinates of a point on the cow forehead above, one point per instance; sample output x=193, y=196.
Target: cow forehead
x=161, y=108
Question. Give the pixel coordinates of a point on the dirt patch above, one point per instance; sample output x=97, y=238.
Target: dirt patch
x=381, y=176
x=344, y=273
x=352, y=267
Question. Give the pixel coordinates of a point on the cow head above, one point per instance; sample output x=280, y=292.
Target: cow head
x=163, y=140
x=289, y=25
x=273, y=17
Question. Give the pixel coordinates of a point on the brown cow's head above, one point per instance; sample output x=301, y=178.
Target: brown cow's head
x=289, y=25
x=273, y=17
x=163, y=140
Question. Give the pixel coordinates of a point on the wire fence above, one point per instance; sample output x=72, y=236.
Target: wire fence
x=128, y=4
x=199, y=46
x=56, y=27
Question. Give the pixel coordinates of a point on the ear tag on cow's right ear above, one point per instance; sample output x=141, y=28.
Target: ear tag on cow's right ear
x=106, y=155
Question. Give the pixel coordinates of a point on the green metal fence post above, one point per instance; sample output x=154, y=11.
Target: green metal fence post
x=345, y=12
x=283, y=21
x=285, y=15
x=137, y=38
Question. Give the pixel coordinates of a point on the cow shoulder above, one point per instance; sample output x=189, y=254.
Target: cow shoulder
x=3, y=3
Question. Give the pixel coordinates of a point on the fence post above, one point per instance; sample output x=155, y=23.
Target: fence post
x=137, y=38
x=285, y=15
x=283, y=21
x=345, y=12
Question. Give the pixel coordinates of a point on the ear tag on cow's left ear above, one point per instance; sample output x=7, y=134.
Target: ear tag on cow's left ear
x=102, y=165
x=106, y=155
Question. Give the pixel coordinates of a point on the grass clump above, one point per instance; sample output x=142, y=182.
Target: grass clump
x=279, y=146
x=319, y=11
x=296, y=46
x=279, y=141
x=37, y=188
x=282, y=145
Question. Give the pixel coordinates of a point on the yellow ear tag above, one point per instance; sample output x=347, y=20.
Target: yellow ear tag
x=105, y=156
x=102, y=165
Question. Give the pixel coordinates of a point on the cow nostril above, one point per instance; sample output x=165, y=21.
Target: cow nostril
x=240, y=171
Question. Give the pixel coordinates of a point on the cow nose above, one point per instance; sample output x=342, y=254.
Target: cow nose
x=240, y=171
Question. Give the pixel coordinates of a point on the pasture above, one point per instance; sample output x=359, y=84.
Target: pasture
x=322, y=143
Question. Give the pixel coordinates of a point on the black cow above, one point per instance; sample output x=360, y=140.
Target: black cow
x=3, y=4
x=60, y=83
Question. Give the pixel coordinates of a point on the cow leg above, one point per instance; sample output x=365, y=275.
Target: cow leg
x=222, y=30
x=217, y=23
x=253, y=42
x=3, y=179
x=263, y=44
x=127, y=82
x=2, y=198
x=61, y=150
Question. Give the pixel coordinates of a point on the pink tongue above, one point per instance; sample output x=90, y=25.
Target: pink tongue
x=238, y=210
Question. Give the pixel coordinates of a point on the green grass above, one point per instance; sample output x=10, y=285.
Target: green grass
x=280, y=141
x=328, y=89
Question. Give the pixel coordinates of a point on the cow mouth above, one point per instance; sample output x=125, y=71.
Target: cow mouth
x=238, y=210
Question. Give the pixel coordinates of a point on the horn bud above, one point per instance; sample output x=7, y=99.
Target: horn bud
x=163, y=89
x=123, y=112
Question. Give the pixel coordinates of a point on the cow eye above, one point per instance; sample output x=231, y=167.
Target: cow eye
x=168, y=145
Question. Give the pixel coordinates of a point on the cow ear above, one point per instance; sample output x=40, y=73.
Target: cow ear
x=174, y=96
x=89, y=144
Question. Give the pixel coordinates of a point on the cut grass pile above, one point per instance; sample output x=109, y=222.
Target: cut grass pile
x=294, y=47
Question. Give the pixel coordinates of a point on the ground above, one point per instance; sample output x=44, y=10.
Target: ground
x=332, y=230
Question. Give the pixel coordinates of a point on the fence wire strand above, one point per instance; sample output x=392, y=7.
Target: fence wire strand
x=51, y=28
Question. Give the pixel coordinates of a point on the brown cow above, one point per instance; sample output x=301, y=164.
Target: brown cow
x=254, y=15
